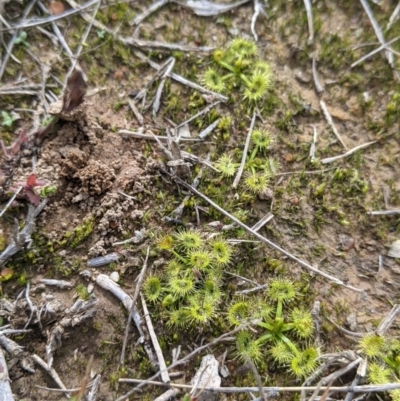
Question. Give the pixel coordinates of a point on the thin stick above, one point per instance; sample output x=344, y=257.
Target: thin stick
x=258, y=9
x=310, y=40
x=394, y=17
x=343, y=389
x=203, y=134
x=329, y=120
x=11, y=42
x=5, y=388
x=378, y=31
x=152, y=138
x=53, y=374
x=263, y=221
x=161, y=361
x=314, y=144
x=246, y=148
x=367, y=56
x=157, y=97
x=11, y=201
x=43, y=21
x=131, y=312
x=182, y=361
x=154, y=7
x=350, y=152
x=318, y=87
x=384, y=212
x=260, y=237
x=83, y=39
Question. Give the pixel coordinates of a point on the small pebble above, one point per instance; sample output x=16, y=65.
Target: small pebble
x=114, y=276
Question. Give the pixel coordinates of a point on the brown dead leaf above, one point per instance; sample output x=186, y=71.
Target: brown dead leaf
x=74, y=92
x=56, y=7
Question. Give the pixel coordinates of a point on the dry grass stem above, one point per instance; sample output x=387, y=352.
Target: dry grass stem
x=344, y=155
x=329, y=120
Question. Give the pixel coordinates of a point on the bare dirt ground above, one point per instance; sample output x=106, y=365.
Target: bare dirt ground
x=321, y=211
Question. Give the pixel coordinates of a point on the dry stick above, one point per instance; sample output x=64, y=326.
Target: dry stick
x=388, y=320
x=83, y=40
x=260, y=237
x=180, y=362
x=344, y=331
x=183, y=80
x=154, y=7
x=350, y=152
x=157, y=97
x=11, y=42
x=394, y=16
x=131, y=312
x=58, y=33
x=318, y=87
x=314, y=144
x=53, y=374
x=244, y=156
x=5, y=388
x=200, y=113
x=11, y=201
x=156, y=345
x=229, y=390
x=263, y=221
x=167, y=395
x=93, y=391
x=139, y=43
x=332, y=377
x=43, y=21
x=310, y=40
x=367, y=56
x=207, y=131
x=258, y=8
x=384, y=212
x=377, y=29
x=330, y=122
x=153, y=137
x=258, y=379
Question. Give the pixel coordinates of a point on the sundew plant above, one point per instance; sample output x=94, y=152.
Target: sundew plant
x=189, y=288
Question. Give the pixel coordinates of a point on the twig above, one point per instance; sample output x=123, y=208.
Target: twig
x=388, y=320
x=343, y=330
x=63, y=284
x=183, y=80
x=11, y=42
x=42, y=21
x=207, y=131
x=367, y=56
x=329, y=120
x=132, y=308
x=181, y=361
x=229, y=390
x=313, y=145
x=258, y=288
x=310, y=40
x=156, y=345
x=332, y=377
x=16, y=193
x=23, y=236
x=244, y=156
x=157, y=97
x=258, y=379
x=200, y=113
x=262, y=222
x=258, y=9
x=154, y=7
x=394, y=17
x=171, y=393
x=151, y=137
x=384, y=212
x=93, y=391
x=378, y=32
x=83, y=39
x=5, y=388
x=53, y=374
x=317, y=327
x=318, y=87
x=350, y=152
x=260, y=237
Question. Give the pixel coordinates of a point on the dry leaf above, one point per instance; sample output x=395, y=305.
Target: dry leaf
x=56, y=7
x=74, y=92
